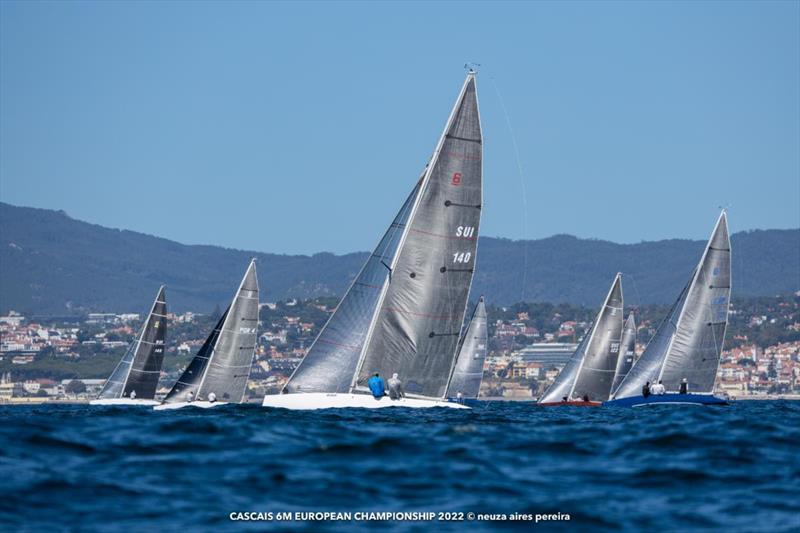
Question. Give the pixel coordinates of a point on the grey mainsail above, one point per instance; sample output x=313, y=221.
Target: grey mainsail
x=468, y=371
x=598, y=361
x=137, y=373
x=627, y=352
x=331, y=362
x=416, y=329
x=688, y=343
x=222, y=366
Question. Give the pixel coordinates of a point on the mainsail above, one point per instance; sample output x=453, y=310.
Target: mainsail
x=331, y=362
x=416, y=329
x=222, y=366
x=468, y=372
x=136, y=375
x=688, y=343
x=627, y=352
x=598, y=361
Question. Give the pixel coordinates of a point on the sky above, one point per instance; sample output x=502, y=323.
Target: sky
x=301, y=127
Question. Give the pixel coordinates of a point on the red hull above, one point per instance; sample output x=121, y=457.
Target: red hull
x=576, y=403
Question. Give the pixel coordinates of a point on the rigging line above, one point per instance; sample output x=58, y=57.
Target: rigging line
x=522, y=186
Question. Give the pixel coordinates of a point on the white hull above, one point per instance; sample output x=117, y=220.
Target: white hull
x=179, y=405
x=323, y=400
x=124, y=401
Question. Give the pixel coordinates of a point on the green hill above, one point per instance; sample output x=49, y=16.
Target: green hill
x=53, y=264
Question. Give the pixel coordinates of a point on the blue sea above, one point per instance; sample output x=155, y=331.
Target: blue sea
x=80, y=468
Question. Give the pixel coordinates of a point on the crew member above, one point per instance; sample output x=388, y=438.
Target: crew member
x=646, y=390
x=396, y=388
x=376, y=386
x=684, y=386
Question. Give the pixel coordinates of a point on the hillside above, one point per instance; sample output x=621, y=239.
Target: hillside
x=53, y=264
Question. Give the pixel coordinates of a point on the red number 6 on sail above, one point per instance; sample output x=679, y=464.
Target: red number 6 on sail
x=457, y=178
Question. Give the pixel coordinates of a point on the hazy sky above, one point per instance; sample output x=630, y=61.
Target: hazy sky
x=301, y=127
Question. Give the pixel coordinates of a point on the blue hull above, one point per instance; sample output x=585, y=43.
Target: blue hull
x=673, y=399
x=469, y=402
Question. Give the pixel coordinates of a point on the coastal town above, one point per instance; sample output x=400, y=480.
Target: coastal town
x=67, y=359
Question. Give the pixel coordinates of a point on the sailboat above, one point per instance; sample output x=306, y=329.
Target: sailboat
x=627, y=352
x=218, y=374
x=135, y=378
x=404, y=310
x=688, y=343
x=465, y=383
x=587, y=377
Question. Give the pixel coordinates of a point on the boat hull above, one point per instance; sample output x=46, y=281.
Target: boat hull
x=667, y=399
x=181, y=405
x=572, y=403
x=322, y=400
x=469, y=402
x=124, y=401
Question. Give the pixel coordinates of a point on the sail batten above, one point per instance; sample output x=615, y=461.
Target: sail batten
x=688, y=344
x=137, y=373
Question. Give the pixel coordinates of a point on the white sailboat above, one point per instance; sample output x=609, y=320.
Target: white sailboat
x=218, y=374
x=404, y=311
x=135, y=378
x=587, y=377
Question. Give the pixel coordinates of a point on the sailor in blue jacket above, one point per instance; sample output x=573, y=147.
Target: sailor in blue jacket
x=376, y=386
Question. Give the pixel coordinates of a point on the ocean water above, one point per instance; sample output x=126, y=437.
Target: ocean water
x=80, y=468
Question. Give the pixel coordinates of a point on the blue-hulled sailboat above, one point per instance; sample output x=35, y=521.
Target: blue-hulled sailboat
x=684, y=353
